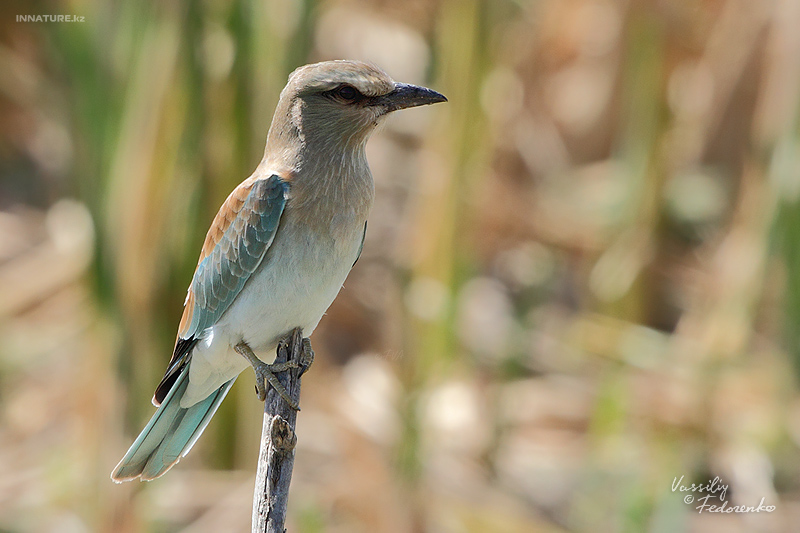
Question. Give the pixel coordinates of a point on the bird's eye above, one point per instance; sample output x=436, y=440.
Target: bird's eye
x=347, y=93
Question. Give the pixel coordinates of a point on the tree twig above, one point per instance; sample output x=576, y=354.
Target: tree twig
x=278, y=439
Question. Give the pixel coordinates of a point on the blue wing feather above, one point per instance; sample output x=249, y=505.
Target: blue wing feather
x=222, y=274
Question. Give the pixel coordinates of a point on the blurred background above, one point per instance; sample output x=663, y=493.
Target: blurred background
x=581, y=279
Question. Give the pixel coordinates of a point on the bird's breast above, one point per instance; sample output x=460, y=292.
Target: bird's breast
x=297, y=280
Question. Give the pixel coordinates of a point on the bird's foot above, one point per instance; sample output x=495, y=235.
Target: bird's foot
x=265, y=373
x=306, y=355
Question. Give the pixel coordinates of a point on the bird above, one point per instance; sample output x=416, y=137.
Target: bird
x=277, y=252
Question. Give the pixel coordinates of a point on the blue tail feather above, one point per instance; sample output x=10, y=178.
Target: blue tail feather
x=170, y=434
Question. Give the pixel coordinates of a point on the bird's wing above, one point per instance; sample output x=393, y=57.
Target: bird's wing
x=236, y=243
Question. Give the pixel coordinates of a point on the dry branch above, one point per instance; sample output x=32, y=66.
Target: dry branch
x=278, y=439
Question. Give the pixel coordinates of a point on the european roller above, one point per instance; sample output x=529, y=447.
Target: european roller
x=277, y=253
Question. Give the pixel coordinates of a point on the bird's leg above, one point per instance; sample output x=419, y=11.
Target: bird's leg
x=266, y=373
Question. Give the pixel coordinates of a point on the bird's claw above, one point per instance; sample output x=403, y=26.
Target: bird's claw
x=307, y=356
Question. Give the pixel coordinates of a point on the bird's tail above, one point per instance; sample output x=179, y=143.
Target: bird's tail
x=170, y=434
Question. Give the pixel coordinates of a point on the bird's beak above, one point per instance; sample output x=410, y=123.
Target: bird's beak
x=405, y=95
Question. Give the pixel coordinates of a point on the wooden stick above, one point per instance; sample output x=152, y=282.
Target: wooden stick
x=278, y=439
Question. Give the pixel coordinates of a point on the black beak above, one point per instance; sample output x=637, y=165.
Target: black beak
x=405, y=95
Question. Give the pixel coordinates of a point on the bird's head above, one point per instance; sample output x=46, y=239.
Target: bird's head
x=339, y=103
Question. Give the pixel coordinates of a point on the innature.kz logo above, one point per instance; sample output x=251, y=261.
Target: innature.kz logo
x=51, y=18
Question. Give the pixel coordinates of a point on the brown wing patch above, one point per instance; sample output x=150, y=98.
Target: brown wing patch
x=225, y=216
